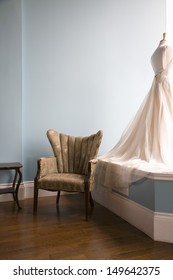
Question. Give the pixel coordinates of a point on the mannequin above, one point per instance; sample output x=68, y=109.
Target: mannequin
x=146, y=146
x=161, y=56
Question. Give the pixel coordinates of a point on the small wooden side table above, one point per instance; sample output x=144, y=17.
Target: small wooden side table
x=16, y=166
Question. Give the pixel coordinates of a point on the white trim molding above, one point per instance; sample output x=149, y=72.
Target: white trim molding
x=29, y=190
x=9, y=196
x=163, y=227
x=159, y=226
x=26, y=190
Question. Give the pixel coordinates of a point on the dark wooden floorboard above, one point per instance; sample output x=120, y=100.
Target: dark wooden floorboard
x=63, y=233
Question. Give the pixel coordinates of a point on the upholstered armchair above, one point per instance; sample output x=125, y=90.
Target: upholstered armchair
x=72, y=167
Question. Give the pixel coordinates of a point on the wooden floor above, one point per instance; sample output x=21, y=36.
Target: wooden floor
x=64, y=234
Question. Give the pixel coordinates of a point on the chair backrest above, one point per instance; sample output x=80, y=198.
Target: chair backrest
x=74, y=153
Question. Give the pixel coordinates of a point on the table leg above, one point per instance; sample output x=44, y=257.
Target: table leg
x=18, y=175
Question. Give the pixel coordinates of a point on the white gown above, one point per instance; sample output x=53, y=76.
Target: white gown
x=146, y=146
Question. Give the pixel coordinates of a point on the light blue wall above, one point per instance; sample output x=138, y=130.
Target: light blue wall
x=10, y=82
x=85, y=66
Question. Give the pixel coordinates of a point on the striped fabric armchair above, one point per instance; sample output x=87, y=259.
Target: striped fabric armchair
x=71, y=168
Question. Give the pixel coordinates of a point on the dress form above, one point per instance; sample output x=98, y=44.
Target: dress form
x=146, y=146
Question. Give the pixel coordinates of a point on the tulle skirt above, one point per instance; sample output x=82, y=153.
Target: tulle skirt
x=146, y=146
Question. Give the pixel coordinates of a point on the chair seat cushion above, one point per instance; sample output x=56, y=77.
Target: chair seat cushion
x=63, y=181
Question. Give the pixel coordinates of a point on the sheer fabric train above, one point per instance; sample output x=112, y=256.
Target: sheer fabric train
x=146, y=146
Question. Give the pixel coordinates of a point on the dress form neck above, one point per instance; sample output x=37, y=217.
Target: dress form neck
x=163, y=42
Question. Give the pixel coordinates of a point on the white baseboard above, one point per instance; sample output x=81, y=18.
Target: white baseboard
x=9, y=196
x=163, y=227
x=26, y=190
x=159, y=226
x=29, y=191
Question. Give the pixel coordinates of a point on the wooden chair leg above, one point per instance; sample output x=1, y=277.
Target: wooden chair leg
x=91, y=200
x=35, y=198
x=58, y=196
x=86, y=200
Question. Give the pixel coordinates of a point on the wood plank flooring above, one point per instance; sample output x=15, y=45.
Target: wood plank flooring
x=62, y=233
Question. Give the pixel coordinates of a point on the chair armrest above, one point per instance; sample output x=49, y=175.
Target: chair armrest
x=92, y=169
x=45, y=166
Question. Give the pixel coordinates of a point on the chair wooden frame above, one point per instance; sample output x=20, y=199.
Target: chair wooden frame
x=47, y=167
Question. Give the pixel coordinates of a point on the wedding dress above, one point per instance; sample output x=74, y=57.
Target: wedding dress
x=146, y=146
